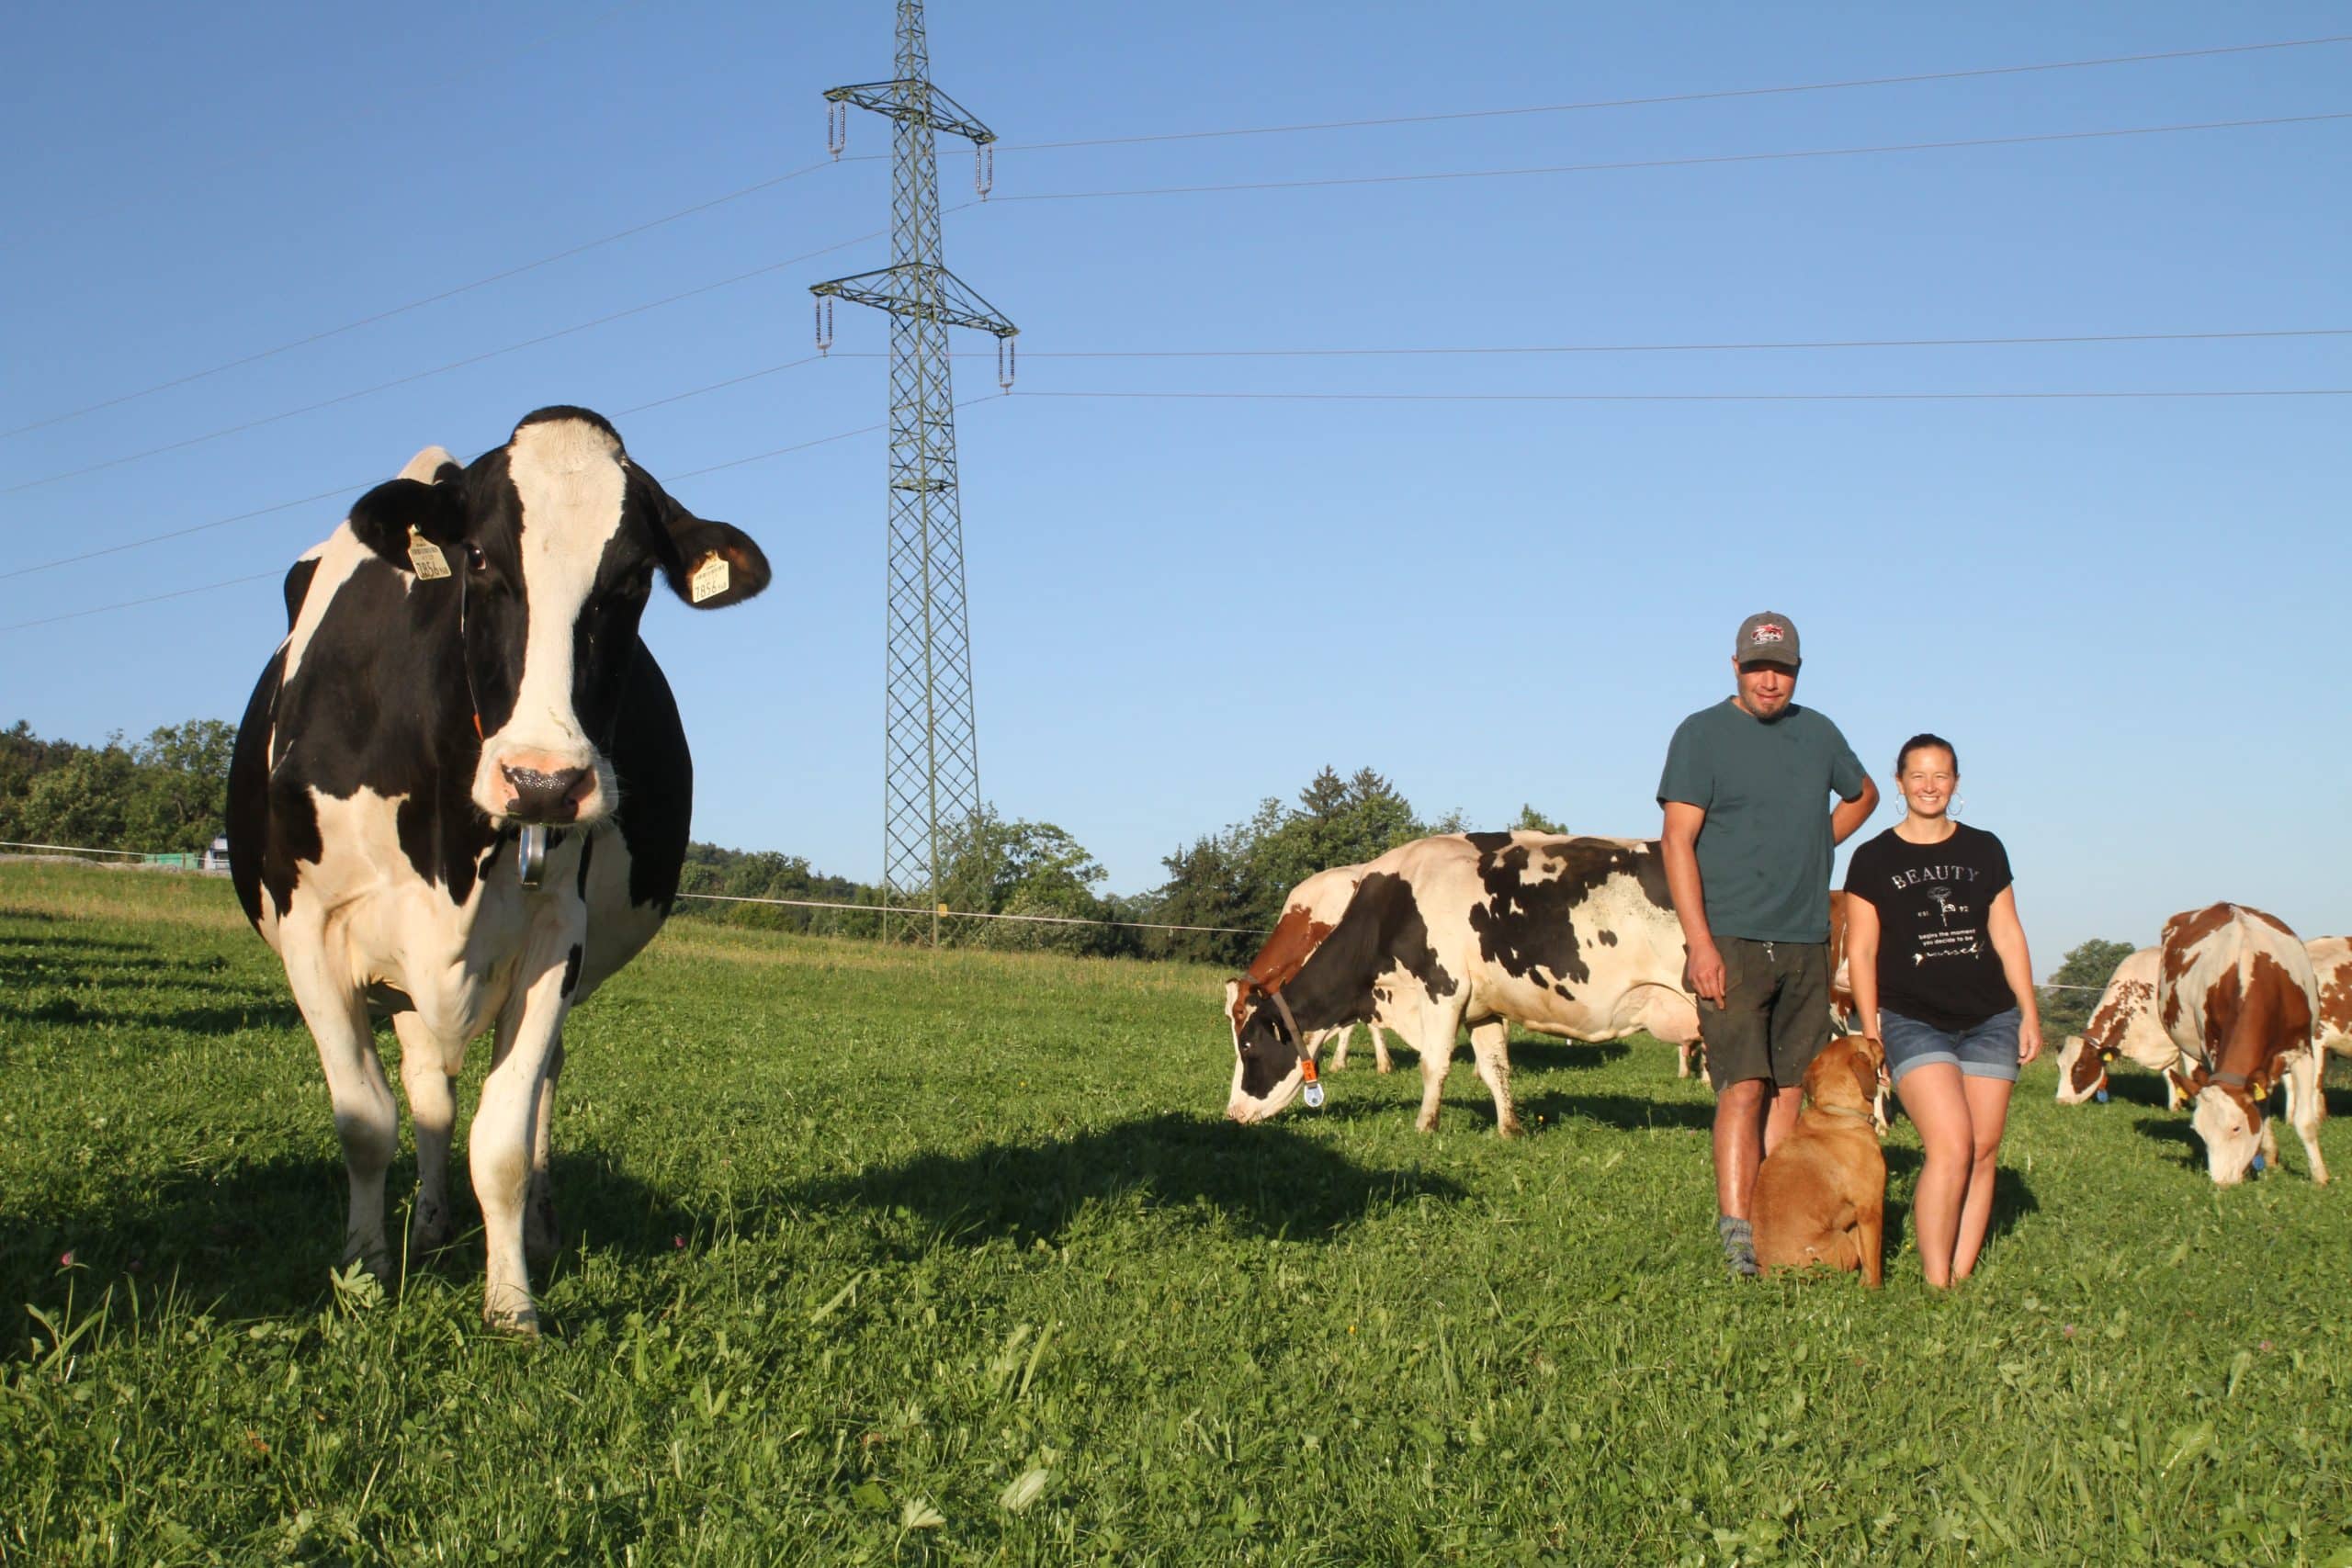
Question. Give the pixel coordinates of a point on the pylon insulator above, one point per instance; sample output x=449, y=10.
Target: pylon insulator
x=824, y=324
x=836, y=127
x=983, y=170
x=1004, y=364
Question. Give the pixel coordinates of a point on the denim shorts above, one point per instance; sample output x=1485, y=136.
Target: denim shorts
x=1987, y=1051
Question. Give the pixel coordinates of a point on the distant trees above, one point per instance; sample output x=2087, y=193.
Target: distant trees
x=2091, y=964
x=163, y=793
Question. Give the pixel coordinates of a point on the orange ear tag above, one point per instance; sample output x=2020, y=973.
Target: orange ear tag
x=1314, y=1085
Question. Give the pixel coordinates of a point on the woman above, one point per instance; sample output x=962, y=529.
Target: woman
x=1942, y=978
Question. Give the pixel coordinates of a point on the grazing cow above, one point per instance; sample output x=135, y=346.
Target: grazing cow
x=460, y=793
x=1313, y=907
x=2123, y=1024
x=2235, y=991
x=1567, y=936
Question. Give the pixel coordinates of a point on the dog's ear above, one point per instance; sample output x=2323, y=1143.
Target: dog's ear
x=1864, y=1053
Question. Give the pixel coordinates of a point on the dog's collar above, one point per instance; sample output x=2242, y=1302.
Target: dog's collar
x=1838, y=1111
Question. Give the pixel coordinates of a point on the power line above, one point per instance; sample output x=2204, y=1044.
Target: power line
x=1709, y=397
x=436, y=370
x=1785, y=344
x=366, y=484
x=132, y=603
x=385, y=315
x=345, y=489
x=2049, y=136
x=1682, y=97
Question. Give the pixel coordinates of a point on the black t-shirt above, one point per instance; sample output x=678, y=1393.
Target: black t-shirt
x=1936, y=960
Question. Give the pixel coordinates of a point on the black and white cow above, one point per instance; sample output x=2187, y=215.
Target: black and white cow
x=1573, y=937
x=462, y=683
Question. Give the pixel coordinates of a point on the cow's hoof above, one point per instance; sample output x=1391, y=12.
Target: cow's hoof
x=1510, y=1129
x=524, y=1325
x=376, y=1256
x=428, y=1229
x=1383, y=1067
x=1425, y=1123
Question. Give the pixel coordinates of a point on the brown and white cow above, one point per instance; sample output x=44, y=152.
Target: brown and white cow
x=1313, y=907
x=2235, y=991
x=1573, y=937
x=2122, y=1025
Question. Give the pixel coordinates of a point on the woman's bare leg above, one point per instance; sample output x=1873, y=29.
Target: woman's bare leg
x=1988, y=1113
x=1939, y=1108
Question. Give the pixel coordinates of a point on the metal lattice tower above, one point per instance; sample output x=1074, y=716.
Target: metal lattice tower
x=930, y=776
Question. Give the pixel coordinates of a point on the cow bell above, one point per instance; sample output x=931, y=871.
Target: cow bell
x=531, y=854
x=1314, y=1093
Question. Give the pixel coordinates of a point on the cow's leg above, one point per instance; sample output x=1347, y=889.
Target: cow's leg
x=366, y=1117
x=541, y=1235
x=1338, y=1052
x=1379, y=1048
x=1682, y=1060
x=2306, y=1107
x=432, y=1110
x=1490, y=1048
x=500, y=1146
x=1435, y=1024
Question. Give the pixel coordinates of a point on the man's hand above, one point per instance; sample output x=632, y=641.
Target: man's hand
x=1706, y=969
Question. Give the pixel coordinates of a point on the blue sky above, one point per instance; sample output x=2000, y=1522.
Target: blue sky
x=2128, y=614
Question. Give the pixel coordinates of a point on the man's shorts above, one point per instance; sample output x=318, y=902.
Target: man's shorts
x=1775, y=1017
x=1987, y=1051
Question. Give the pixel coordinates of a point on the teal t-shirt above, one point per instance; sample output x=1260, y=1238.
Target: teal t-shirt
x=1764, y=850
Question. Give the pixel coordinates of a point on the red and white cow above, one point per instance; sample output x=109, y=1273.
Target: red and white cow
x=2124, y=1025
x=2235, y=991
x=1313, y=907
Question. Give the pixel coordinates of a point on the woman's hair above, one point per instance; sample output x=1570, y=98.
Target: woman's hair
x=1924, y=738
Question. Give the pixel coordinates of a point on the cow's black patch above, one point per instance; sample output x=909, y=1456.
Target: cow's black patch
x=587, y=848
x=1606, y=938
x=298, y=585
x=1523, y=926
x=571, y=969
x=1489, y=843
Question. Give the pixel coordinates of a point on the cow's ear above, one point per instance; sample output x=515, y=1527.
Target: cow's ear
x=716, y=564
x=386, y=518
x=2185, y=1085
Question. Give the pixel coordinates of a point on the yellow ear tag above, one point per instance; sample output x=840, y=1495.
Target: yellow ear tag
x=711, y=577
x=425, y=557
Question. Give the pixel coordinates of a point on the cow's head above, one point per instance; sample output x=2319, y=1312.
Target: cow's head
x=553, y=540
x=2227, y=1115
x=2082, y=1069
x=1269, y=1067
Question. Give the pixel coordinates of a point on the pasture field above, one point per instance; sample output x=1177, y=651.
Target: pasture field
x=874, y=1256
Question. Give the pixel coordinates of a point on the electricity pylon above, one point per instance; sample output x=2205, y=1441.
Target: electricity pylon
x=930, y=769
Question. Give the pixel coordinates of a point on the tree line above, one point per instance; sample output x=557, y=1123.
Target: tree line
x=166, y=794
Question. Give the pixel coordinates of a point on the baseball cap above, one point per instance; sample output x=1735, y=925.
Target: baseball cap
x=1766, y=637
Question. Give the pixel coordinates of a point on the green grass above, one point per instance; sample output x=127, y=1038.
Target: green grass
x=871, y=1256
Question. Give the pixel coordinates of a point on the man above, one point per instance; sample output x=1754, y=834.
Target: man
x=1747, y=838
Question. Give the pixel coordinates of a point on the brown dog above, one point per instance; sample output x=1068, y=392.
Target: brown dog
x=1821, y=1197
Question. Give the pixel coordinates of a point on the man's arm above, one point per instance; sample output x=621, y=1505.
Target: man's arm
x=1849, y=815
x=1680, y=846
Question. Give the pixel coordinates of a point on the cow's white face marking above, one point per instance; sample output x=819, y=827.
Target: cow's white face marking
x=1242, y=1107
x=569, y=478
x=2231, y=1141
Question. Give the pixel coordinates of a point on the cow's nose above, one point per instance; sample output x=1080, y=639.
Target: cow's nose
x=545, y=797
